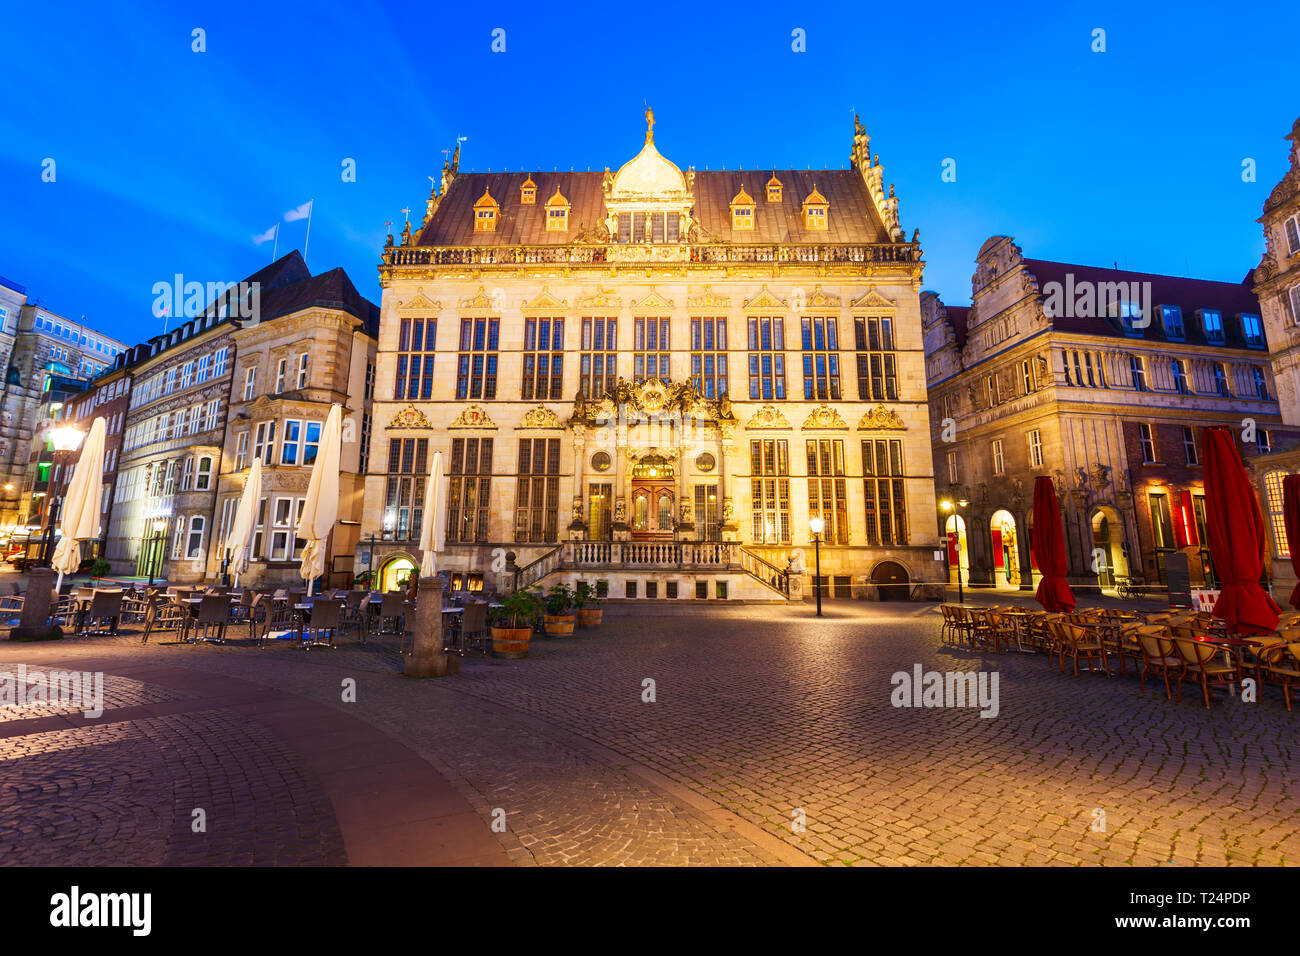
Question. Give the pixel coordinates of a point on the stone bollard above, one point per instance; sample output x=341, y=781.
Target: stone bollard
x=34, y=623
x=426, y=658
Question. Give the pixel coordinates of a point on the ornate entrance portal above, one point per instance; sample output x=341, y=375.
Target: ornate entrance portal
x=653, y=495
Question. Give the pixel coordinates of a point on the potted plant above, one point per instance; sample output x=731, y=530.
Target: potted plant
x=512, y=628
x=559, y=611
x=99, y=569
x=588, y=605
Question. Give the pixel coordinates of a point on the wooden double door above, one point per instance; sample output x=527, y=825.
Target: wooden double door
x=653, y=503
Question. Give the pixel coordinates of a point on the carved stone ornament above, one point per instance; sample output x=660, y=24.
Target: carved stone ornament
x=823, y=416
x=708, y=299
x=767, y=417
x=474, y=416
x=410, y=417
x=685, y=510
x=766, y=299
x=620, y=511
x=881, y=418
x=728, y=511
x=540, y=417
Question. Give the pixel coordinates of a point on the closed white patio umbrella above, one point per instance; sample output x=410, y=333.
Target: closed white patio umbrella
x=81, y=504
x=321, y=509
x=240, y=540
x=433, y=526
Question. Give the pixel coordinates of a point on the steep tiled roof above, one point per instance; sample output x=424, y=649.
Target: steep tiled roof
x=957, y=318
x=329, y=290
x=1229, y=298
x=852, y=217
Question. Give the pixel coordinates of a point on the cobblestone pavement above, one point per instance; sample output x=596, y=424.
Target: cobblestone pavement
x=763, y=716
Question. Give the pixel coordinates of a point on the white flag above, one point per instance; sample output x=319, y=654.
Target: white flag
x=302, y=212
x=266, y=236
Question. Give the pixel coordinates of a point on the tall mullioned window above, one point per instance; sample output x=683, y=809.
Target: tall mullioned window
x=886, y=492
x=709, y=355
x=821, y=359
x=767, y=357
x=476, y=364
x=650, y=349
x=469, y=489
x=415, y=344
x=769, y=468
x=543, y=373
x=598, y=370
x=827, y=497
x=537, y=504
x=873, y=338
x=408, y=465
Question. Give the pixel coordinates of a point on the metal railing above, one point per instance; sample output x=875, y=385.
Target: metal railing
x=691, y=252
x=533, y=572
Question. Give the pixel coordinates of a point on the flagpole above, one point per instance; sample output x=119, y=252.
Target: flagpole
x=311, y=205
x=276, y=244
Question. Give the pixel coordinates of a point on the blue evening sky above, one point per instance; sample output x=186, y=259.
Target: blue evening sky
x=169, y=161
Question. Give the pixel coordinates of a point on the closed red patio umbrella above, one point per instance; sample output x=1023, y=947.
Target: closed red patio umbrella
x=1234, y=527
x=1291, y=516
x=1047, y=546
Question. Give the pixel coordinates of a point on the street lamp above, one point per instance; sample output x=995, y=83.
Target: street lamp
x=159, y=527
x=816, y=525
x=947, y=505
x=63, y=438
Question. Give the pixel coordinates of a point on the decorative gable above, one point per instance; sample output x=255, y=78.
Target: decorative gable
x=742, y=211
x=478, y=302
x=653, y=304
x=528, y=192
x=557, y=213
x=822, y=300
x=766, y=301
x=872, y=299
x=539, y=417
x=410, y=417
x=545, y=302
x=815, y=211
x=418, y=304
x=708, y=301
x=824, y=417
x=603, y=300
x=767, y=417
x=774, y=189
x=473, y=416
x=881, y=418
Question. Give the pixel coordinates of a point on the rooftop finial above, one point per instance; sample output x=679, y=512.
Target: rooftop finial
x=649, y=125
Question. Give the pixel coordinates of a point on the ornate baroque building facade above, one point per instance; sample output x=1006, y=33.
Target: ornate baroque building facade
x=1103, y=380
x=654, y=379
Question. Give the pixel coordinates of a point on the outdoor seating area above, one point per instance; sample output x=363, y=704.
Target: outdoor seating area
x=1173, y=648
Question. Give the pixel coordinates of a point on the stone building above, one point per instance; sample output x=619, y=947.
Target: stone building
x=1277, y=284
x=654, y=378
x=37, y=348
x=1102, y=379
x=313, y=346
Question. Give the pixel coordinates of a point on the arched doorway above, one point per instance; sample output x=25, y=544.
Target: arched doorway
x=654, y=492
x=891, y=579
x=954, y=533
x=1006, y=550
x=1109, y=559
x=395, y=574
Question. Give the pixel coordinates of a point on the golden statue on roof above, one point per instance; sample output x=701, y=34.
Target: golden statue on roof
x=649, y=125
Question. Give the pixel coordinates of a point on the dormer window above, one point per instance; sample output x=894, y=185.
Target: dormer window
x=1171, y=317
x=814, y=211
x=774, y=189
x=485, y=213
x=557, y=213
x=1252, y=330
x=528, y=192
x=742, y=210
x=1212, y=323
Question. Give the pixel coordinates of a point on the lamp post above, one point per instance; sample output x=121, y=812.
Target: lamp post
x=948, y=505
x=155, y=543
x=64, y=438
x=816, y=525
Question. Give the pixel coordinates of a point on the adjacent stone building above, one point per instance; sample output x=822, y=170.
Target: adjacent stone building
x=654, y=378
x=1102, y=379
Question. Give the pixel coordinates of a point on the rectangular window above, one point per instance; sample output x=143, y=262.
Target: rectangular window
x=280, y=370
x=997, y=456
x=886, y=493
x=213, y=417
x=169, y=381
x=1263, y=441
x=1212, y=322
x=476, y=362
x=709, y=355
x=1291, y=228
x=599, y=514
x=767, y=357
x=241, y=451
x=469, y=489
x=543, y=360
x=650, y=349
x=415, y=359
x=952, y=468
x=821, y=360
x=1162, y=523
x=264, y=444
x=364, y=451
x=770, y=490
x=1171, y=316
x=203, y=477
x=187, y=374
x=707, y=524
x=408, y=464
x=826, y=490
x=598, y=363
x=250, y=383
x=1147, y=439
x=873, y=338
x=201, y=375
x=537, y=500
x=1252, y=330
x=1035, y=448
x=1189, y=445
x=1026, y=378
x=302, y=370
x=219, y=362
x=995, y=392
